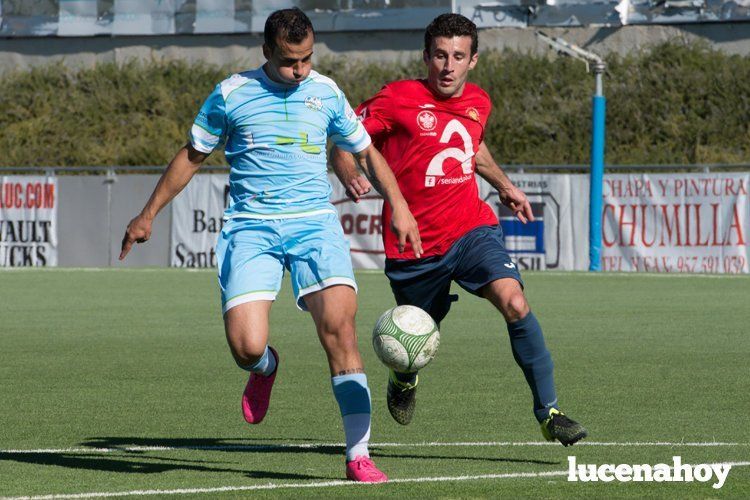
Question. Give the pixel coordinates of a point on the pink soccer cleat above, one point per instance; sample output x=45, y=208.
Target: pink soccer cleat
x=363, y=470
x=257, y=394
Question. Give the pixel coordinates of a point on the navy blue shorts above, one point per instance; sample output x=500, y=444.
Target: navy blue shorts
x=476, y=259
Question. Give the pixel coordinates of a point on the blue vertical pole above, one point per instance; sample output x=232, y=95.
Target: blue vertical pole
x=597, y=176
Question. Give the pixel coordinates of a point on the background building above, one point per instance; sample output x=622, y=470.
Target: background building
x=227, y=31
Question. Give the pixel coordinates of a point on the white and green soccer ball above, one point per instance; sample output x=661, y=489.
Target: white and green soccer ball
x=405, y=338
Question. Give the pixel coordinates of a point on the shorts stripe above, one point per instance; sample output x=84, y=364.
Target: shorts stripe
x=328, y=282
x=248, y=297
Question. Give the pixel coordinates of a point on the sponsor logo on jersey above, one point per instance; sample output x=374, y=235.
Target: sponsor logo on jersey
x=426, y=120
x=473, y=114
x=432, y=181
x=314, y=103
x=426, y=106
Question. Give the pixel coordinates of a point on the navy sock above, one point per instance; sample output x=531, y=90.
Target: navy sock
x=529, y=351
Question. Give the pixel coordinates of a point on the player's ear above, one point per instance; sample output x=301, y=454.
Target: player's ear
x=267, y=53
x=426, y=56
x=473, y=60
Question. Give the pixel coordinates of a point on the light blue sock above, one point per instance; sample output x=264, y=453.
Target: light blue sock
x=353, y=397
x=264, y=366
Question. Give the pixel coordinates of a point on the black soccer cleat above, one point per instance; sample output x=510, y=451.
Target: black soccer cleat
x=559, y=427
x=402, y=399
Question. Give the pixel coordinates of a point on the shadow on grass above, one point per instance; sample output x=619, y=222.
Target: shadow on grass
x=135, y=456
x=128, y=465
x=231, y=445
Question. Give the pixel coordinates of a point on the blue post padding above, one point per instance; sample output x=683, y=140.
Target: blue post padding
x=352, y=393
x=597, y=179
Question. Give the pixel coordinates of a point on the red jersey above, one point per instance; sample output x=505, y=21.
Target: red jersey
x=429, y=143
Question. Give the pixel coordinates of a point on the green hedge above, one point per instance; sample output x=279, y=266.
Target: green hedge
x=675, y=103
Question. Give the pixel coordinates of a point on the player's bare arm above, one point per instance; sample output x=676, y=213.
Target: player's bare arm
x=510, y=195
x=403, y=223
x=181, y=169
x=345, y=168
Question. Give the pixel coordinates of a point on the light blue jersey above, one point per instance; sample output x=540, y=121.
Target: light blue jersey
x=275, y=142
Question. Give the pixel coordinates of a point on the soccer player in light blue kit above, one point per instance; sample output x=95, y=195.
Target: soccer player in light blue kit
x=274, y=122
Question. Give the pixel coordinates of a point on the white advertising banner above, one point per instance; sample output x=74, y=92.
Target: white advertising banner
x=196, y=221
x=556, y=239
x=676, y=223
x=551, y=241
x=362, y=226
x=28, y=221
x=686, y=223
x=558, y=236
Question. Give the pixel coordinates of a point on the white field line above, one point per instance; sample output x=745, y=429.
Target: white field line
x=323, y=484
x=295, y=446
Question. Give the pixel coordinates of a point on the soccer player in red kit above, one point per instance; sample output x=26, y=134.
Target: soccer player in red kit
x=431, y=132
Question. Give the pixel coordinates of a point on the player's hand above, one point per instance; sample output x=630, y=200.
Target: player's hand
x=357, y=187
x=138, y=231
x=405, y=228
x=517, y=202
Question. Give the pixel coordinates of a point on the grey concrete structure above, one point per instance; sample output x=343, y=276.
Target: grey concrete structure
x=93, y=213
x=244, y=50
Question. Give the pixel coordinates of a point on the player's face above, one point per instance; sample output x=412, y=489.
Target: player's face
x=448, y=63
x=289, y=63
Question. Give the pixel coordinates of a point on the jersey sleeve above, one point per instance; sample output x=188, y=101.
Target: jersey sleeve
x=210, y=126
x=376, y=113
x=345, y=130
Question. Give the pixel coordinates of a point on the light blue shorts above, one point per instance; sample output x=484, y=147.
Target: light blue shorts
x=253, y=253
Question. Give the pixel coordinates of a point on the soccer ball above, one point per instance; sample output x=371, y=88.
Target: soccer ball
x=405, y=338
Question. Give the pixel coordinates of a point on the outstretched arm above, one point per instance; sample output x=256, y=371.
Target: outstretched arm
x=377, y=170
x=510, y=195
x=179, y=172
x=345, y=168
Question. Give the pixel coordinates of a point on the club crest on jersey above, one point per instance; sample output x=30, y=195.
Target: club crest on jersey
x=473, y=114
x=426, y=120
x=314, y=103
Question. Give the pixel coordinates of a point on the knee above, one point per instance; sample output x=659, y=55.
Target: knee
x=247, y=347
x=246, y=352
x=515, y=307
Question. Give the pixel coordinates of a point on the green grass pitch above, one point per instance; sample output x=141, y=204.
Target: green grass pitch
x=120, y=381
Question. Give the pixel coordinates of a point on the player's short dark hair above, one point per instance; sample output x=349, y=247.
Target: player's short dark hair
x=450, y=25
x=291, y=24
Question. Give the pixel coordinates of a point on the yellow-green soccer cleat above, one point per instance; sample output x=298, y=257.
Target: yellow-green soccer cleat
x=559, y=427
x=402, y=399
